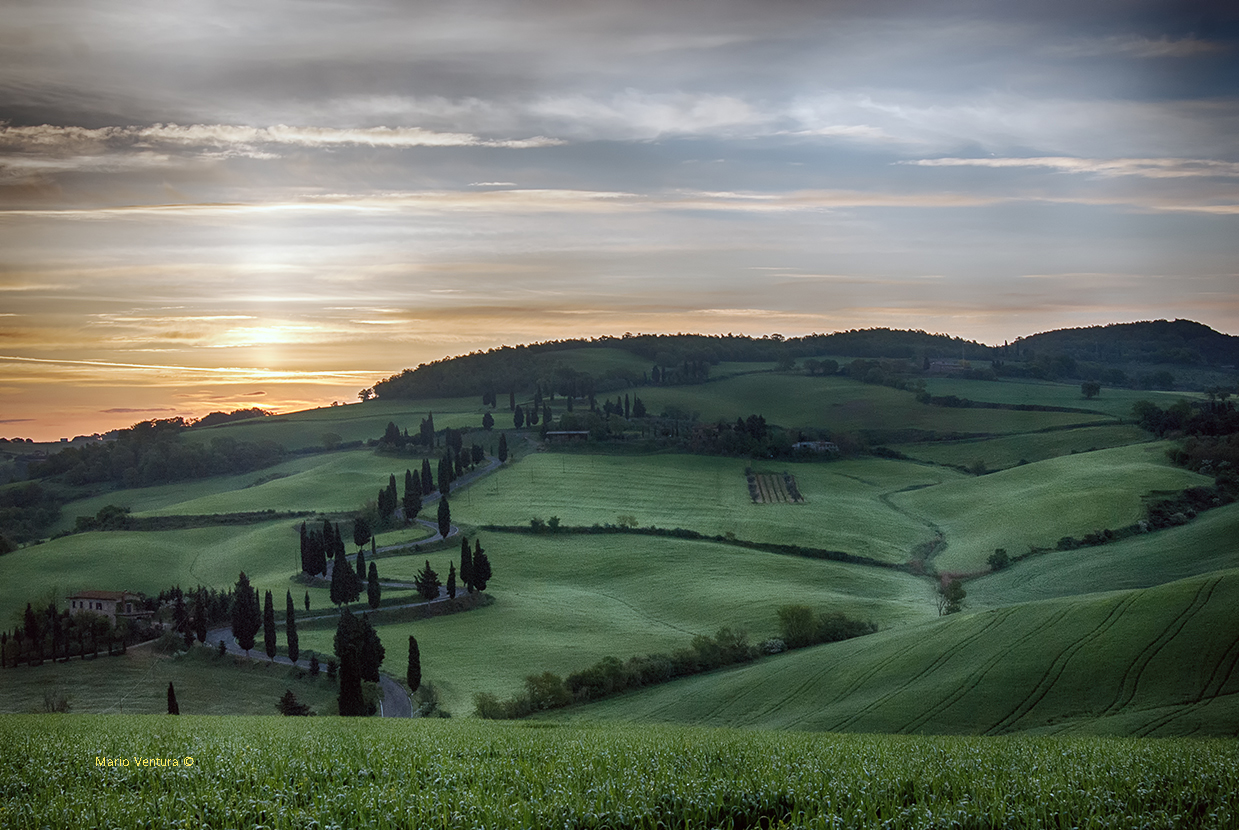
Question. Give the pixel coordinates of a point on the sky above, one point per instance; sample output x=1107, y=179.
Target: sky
x=208, y=205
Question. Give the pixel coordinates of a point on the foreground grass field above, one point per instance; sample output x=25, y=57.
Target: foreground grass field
x=1037, y=504
x=563, y=602
x=290, y=773
x=844, y=511
x=1159, y=661
x=136, y=683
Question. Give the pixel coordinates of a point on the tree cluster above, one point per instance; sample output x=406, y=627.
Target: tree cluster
x=318, y=545
x=26, y=511
x=360, y=652
x=246, y=613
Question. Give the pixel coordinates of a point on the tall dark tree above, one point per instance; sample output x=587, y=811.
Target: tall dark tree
x=374, y=591
x=268, y=626
x=414, y=672
x=411, y=483
x=342, y=577
x=348, y=649
x=503, y=447
x=246, y=617
x=488, y=422
x=393, y=496
x=627, y=406
x=518, y=417
x=200, y=615
x=445, y=475
x=412, y=504
x=305, y=550
x=451, y=581
x=428, y=482
x=290, y=629
x=180, y=617
x=427, y=582
x=512, y=400
x=372, y=651
x=361, y=531
x=481, y=566
x=173, y=708
x=638, y=408
x=445, y=516
x=307, y=599
x=466, y=564
x=361, y=564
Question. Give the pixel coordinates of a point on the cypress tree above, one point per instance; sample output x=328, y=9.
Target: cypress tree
x=307, y=599
x=503, y=447
x=246, y=619
x=340, y=574
x=173, y=708
x=290, y=630
x=408, y=481
x=200, y=615
x=361, y=531
x=481, y=566
x=268, y=626
x=374, y=591
x=361, y=564
x=466, y=565
x=412, y=502
x=518, y=417
x=372, y=651
x=427, y=582
x=305, y=550
x=451, y=581
x=445, y=516
x=428, y=483
x=414, y=673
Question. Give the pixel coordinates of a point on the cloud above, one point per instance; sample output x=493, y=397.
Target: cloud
x=1136, y=46
x=1152, y=168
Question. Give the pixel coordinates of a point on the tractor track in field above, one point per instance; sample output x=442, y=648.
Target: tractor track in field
x=1130, y=683
x=933, y=666
x=1059, y=664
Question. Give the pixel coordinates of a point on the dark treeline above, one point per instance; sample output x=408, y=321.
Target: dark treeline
x=1154, y=341
x=678, y=358
x=25, y=512
x=151, y=452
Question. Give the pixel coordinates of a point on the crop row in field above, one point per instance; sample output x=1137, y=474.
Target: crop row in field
x=562, y=602
x=1157, y=661
x=287, y=773
x=1037, y=504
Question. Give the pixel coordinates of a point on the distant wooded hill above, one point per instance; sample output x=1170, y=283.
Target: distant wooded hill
x=687, y=358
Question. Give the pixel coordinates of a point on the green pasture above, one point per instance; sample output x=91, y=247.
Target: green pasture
x=353, y=422
x=1158, y=661
x=284, y=773
x=1036, y=504
x=136, y=683
x=151, y=561
x=563, y=602
x=844, y=509
x=1112, y=401
x=1009, y=450
x=843, y=405
x=1208, y=543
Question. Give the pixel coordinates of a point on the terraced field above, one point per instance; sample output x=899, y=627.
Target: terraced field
x=563, y=602
x=1037, y=504
x=1158, y=661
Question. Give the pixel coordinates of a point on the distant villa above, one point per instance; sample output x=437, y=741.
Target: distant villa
x=816, y=446
x=110, y=604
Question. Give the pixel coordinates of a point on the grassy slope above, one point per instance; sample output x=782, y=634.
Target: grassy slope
x=843, y=509
x=1010, y=450
x=837, y=403
x=137, y=683
x=1116, y=402
x=1036, y=504
x=1158, y=661
x=1209, y=543
x=562, y=603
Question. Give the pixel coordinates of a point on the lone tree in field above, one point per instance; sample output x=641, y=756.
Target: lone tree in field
x=414, y=673
x=518, y=417
x=1090, y=389
x=427, y=582
x=374, y=591
x=290, y=629
x=951, y=598
x=488, y=422
x=445, y=516
x=503, y=447
x=268, y=626
x=173, y=709
x=246, y=618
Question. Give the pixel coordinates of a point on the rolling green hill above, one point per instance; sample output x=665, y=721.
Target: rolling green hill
x=1009, y=450
x=563, y=602
x=1156, y=661
x=1036, y=504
